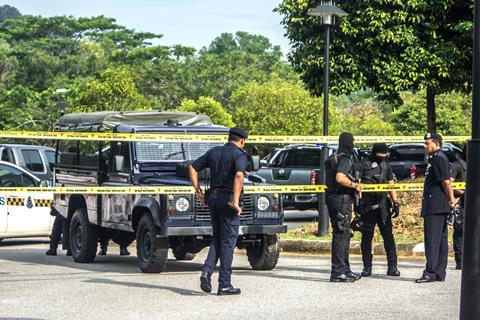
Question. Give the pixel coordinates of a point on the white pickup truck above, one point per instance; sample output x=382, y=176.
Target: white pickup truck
x=23, y=215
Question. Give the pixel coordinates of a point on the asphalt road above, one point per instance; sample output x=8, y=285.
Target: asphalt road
x=34, y=286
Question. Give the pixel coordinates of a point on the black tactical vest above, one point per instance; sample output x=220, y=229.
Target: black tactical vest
x=331, y=165
x=374, y=173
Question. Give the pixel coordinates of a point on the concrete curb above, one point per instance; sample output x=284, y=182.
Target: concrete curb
x=325, y=246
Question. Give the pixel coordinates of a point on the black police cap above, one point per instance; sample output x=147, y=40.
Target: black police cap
x=434, y=136
x=238, y=132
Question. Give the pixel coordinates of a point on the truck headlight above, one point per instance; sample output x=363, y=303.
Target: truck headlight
x=182, y=204
x=263, y=203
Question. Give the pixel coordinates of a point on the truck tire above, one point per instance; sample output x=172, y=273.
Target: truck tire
x=181, y=253
x=264, y=255
x=152, y=250
x=83, y=237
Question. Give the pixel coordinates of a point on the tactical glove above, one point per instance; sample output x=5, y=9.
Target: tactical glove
x=395, y=209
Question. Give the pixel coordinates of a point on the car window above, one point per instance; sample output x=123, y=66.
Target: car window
x=408, y=154
x=278, y=160
x=33, y=161
x=303, y=158
x=12, y=177
x=50, y=158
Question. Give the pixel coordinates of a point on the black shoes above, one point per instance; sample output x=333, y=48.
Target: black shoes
x=356, y=276
x=228, y=291
x=205, y=282
x=69, y=253
x=425, y=279
x=342, y=278
x=102, y=252
x=367, y=272
x=124, y=251
x=51, y=252
x=393, y=272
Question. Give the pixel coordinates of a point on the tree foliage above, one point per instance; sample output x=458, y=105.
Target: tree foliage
x=8, y=12
x=210, y=107
x=389, y=46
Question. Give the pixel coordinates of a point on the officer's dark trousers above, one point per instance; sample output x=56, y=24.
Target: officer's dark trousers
x=370, y=219
x=225, y=225
x=458, y=242
x=340, y=212
x=58, y=228
x=435, y=233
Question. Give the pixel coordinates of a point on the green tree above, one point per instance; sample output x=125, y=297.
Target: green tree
x=8, y=12
x=389, y=46
x=210, y=107
x=454, y=111
x=114, y=90
x=277, y=107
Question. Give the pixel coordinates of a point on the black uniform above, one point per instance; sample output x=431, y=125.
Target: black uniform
x=374, y=209
x=459, y=173
x=59, y=228
x=224, y=162
x=435, y=210
x=339, y=202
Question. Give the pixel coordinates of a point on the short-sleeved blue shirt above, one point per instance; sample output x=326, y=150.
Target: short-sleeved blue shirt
x=435, y=201
x=224, y=162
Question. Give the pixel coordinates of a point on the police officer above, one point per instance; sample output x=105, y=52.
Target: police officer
x=104, y=237
x=59, y=228
x=458, y=169
x=438, y=200
x=227, y=165
x=341, y=188
x=377, y=208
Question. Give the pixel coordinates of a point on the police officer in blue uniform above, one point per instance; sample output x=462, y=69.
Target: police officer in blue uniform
x=438, y=200
x=227, y=165
x=458, y=169
x=341, y=189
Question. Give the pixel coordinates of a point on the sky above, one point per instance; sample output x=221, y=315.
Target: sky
x=192, y=23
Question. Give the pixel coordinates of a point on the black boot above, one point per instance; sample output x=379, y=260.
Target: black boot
x=124, y=251
x=393, y=272
x=69, y=253
x=205, y=282
x=102, y=252
x=367, y=272
x=51, y=252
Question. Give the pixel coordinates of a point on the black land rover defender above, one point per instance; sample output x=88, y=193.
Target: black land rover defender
x=156, y=221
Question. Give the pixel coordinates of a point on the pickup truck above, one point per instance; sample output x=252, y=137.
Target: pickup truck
x=294, y=164
x=409, y=160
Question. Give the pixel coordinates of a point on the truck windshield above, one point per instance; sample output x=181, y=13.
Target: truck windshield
x=171, y=151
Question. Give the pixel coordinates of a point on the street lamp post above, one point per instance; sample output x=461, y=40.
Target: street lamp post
x=327, y=12
x=470, y=291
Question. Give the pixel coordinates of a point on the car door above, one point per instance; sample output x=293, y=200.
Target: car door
x=3, y=214
x=27, y=213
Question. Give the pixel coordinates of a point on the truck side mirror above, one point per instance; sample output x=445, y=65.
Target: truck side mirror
x=263, y=163
x=255, y=163
x=119, y=163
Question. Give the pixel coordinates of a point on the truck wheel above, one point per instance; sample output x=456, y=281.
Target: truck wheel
x=264, y=255
x=181, y=254
x=83, y=237
x=152, y=251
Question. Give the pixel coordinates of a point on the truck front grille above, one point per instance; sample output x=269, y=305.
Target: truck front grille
x=202, y=213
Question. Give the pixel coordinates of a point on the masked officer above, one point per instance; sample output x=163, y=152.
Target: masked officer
x=458, y=169
x=377, y=208
x=341, y=188
x=438, y=200
x=227, y=166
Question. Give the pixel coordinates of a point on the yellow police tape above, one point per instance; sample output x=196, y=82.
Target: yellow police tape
x=189, y=190
x=206, y=138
